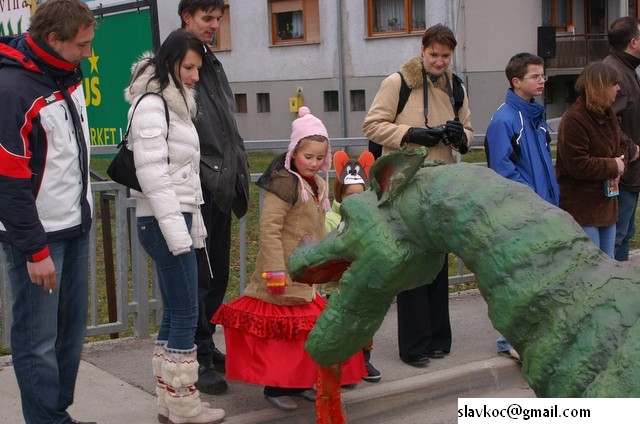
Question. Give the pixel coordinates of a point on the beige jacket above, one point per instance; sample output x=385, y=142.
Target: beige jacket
x=282, y=227
x=385, y=128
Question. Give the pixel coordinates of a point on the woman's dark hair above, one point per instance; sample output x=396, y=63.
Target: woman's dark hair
x=439, y=34
x=169, y=58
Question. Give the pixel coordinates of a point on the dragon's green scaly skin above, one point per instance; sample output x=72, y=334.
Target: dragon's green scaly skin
x=570, y=311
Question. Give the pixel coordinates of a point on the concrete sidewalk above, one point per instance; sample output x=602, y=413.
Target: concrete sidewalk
x=115, y=383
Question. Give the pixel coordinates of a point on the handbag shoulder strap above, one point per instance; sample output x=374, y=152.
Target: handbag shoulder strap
x=166, y=116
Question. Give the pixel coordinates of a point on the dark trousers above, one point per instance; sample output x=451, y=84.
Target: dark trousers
x=211, y=290
x=423, y=318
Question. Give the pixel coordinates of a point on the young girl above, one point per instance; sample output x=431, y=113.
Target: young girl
x=352, y=177
x=266, y=328
x=169, y=223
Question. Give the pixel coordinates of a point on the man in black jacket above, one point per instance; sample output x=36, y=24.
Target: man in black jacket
x=624, y=39
x=224, y=173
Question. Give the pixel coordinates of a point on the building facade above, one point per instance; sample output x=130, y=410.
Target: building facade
x=331, y=55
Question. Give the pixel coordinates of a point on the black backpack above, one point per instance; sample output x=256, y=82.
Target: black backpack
x=405, y=91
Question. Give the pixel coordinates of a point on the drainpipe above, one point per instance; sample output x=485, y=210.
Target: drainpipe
x=341, y=94
x=452, y=23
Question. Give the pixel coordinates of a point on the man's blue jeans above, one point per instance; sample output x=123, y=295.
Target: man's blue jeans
x=178, y=281
x=48, y=330
x=626, y=225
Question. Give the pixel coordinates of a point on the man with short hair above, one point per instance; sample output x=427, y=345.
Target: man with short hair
x=624, y=39
x=45, y=203
x=224, y=173
x=517, y=140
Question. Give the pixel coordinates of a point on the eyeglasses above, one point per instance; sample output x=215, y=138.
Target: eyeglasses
x=537, y=77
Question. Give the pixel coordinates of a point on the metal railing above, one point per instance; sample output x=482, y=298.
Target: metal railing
x=126, y=277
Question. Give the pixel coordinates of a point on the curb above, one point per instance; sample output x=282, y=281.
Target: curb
x=476, y=379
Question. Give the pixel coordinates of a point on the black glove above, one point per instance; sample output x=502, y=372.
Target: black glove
x=454, y=130
x=455, y=136
x=427, y=137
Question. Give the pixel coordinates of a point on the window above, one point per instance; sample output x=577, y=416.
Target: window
x=264, y=104
x=331, y=101
x=388, y=17
x=294, y=21
x=241, y=103
x=557, y=13
x=222, y=39
x=357, y=101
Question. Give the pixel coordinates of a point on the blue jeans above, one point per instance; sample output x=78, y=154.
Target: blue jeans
x=626, y=225
x=48, y=330
x=502, y=344
x=603, y=237
x=178, y=281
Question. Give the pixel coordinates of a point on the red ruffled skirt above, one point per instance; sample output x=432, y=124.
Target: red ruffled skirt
x=265, y=343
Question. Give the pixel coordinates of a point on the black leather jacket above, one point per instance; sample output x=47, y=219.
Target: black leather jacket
x=224, y=169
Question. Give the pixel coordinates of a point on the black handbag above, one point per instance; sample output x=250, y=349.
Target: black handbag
x=122, y=169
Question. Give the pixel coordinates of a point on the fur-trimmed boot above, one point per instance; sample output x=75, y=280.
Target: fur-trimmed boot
x=180, y=373
x=161, y=389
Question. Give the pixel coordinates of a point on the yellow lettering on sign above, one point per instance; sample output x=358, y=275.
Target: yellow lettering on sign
x=92, y=96
x=103, y=136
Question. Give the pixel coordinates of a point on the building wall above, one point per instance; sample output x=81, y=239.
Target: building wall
x=488, y=33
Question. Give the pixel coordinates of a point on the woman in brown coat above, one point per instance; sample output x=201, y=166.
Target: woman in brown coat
x=590, y=156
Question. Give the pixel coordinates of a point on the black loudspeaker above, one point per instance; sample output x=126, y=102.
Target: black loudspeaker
x=546, y=42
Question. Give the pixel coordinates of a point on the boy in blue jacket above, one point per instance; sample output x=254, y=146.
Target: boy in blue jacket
x=517, y=140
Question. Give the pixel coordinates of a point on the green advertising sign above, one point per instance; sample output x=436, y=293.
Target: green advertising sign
x=119, y=41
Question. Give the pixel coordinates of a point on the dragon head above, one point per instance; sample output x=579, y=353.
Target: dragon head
x=371, y=254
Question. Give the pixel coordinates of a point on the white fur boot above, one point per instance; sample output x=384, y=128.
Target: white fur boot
x=156, y=362
x=180, y=373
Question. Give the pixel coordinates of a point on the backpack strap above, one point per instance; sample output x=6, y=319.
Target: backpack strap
x=405, y=91
x=457, y=95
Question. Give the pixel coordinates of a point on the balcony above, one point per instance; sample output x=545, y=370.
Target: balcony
x=576, y=51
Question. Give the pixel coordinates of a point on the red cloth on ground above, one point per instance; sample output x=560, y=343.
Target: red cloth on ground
x=265, y=343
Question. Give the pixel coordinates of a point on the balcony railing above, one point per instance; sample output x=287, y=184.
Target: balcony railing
x=576, y=51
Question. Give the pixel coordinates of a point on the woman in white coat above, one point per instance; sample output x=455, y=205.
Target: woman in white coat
x=166, y=154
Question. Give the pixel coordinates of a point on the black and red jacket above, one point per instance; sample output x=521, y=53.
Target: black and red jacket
x=45, y=193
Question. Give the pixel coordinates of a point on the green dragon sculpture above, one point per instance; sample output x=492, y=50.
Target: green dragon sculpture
x=569, y=310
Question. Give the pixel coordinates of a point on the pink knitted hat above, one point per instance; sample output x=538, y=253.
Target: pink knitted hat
x=305, y=126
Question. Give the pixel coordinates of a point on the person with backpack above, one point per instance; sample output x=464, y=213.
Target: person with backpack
x=517, y=140
x=436, y=115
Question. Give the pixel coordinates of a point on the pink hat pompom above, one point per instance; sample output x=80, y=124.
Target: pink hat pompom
x=303, y=111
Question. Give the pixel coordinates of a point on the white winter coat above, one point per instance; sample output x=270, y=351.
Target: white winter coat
x=168, y=189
